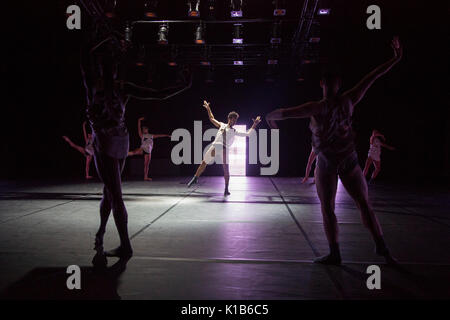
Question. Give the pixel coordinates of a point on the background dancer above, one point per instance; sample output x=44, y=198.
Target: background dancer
x=312, y=157
x=146, y=146
x=332, y=135
x=223, y=141
x=87, y=151
x=375, y=153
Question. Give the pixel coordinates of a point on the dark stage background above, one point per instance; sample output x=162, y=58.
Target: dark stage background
x=44, y=98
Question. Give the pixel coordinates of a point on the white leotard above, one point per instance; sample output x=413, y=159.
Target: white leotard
x=89, y=148
x=147, y=142
x=375, y=149
x=230, y=134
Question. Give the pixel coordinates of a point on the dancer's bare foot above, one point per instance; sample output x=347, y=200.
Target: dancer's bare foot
x=305, y=179
x=147, y=179
x=332, y=259
x=89, y=177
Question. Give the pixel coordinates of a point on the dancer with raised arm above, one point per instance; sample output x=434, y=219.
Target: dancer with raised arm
x=374, y=156
x=332, y=135
x=146, y=146
x=223, y=141
x=87, y=151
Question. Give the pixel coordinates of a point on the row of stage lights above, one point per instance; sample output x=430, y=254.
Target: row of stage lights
x=236, y=11
x=236, y=8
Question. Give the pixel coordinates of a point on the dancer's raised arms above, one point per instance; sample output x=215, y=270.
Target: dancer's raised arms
x=139, y=127
x=253, y=127
x=210, y=115
x=357, y=92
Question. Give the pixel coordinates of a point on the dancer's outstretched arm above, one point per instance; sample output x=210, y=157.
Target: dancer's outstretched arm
x=387, y=146
x=84, y=132
x=210, y=115
x=253, y=127
x=357, y=92
x=139, y=126
x=305, y=110
x=160, y=135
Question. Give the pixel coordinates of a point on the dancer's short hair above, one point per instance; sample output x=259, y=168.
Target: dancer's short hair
x=233, y=114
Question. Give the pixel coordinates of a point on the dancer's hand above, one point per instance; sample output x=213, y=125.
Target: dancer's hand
x=397, y=47
x=256, y=121
x=206, y=104
x=141, y=118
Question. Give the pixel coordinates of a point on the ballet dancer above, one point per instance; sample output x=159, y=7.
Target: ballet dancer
x=87, y=151
x=332, y=135
x=223, y=141
x=375, y=153
x=106, y=102
x=312, y=157
x=146, y=146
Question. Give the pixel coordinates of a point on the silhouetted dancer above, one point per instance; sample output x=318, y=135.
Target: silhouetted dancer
x=332, y=136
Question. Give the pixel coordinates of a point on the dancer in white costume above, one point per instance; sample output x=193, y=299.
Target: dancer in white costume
x=146, y=146
x=223, y=141
x=87, y=151
x=375, y=153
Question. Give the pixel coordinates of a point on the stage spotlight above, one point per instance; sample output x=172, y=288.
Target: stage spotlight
x=238, y=33
x=236, y=8
x=314, y=40
x=150, y=8
x=194, y=8
x=163, y=34
x=280, y=8
x=110, y=7
x=323, y=12
x=276, y=33
x=199, y=32
x=128, y=32
x=272, y=61
x=238, y=62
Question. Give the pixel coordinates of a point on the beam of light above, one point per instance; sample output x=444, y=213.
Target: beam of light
x=238, y=153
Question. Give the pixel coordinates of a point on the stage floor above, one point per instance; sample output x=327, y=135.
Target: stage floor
x=258, y=243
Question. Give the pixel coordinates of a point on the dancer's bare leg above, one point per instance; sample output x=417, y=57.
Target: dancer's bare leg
x=147, y=158
x=377, y=165
x=88, y=165
x=73, y=145
x=226, y=175
x=209, y=154
x=109, y=170
x=369, y=161
x=326, y=185
x=137, y=151
x=356, y=185
x=311, y=158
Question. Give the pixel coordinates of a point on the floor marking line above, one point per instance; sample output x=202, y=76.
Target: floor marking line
x=37, y=211
x=161, y=215
x=337, y=285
